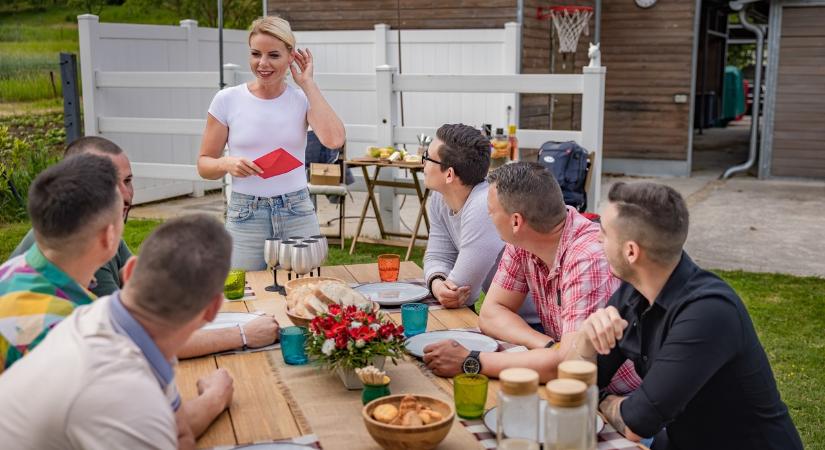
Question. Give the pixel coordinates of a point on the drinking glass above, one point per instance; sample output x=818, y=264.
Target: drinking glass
x=470, y=392
x=271, y=251
x=300, y=256
x=414, y=318
x=234, y=285
x=293, y=345
x=314, y=253
x=324, y=249
x=285, y=256
x=388, y=267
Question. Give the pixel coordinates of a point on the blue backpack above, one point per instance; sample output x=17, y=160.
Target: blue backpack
x=567, y=161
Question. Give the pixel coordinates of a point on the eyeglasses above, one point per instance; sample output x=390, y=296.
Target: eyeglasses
x=425, y=157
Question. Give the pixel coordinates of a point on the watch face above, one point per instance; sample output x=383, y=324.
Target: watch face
x=471, y=365
x=645, y=3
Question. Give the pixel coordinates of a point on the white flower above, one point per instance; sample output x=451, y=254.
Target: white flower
x=327, y=347
x=375, y=327
x=354, y=325
x=359, y=343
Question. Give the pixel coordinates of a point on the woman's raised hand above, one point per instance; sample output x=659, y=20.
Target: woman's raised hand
x=302, y=67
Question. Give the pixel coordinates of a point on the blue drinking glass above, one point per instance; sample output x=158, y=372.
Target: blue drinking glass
x=293, y=345
x=414, y=318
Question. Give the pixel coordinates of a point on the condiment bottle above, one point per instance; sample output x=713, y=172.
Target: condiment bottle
x=584, y=371
x=518, y=409
x=566, y=416
x=511, y=136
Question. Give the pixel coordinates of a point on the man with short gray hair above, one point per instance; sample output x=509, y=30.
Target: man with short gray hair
x=553, y=253
x=104, y=376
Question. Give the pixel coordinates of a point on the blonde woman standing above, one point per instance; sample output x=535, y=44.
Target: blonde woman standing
x=256, y=118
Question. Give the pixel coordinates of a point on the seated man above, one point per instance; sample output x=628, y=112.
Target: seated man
x=706, y=381
x=76, y=212
x=458, y=263
x=553, y=253
x=258, y=333
x=104, y=377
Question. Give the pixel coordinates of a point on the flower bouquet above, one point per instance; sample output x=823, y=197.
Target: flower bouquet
x=347, y=338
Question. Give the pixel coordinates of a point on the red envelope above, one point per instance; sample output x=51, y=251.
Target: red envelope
x=277, y=162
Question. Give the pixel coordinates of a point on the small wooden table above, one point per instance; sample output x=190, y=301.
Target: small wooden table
x=373, y=181
x=259, y=411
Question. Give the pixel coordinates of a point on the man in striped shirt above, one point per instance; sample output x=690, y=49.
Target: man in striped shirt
x=553, y=253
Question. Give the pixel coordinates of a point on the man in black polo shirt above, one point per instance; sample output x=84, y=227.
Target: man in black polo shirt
x=707, y=383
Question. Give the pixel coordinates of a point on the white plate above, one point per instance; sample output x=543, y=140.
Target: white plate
x=229, y=319
x=393, y=294
x=491, y=420
x=472, y=341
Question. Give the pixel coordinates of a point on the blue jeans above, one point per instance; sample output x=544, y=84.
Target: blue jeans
x=251, y=220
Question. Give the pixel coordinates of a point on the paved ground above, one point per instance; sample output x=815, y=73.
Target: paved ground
x=742, y=223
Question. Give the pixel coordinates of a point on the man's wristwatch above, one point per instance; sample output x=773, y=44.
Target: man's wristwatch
x=471, y=363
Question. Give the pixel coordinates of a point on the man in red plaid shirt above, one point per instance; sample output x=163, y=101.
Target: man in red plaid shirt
x=553, y=253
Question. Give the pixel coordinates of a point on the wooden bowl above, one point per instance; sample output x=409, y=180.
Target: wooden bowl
x=422, y=437
x=292, y=284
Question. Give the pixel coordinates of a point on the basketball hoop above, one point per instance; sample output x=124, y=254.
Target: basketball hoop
x=569, y=22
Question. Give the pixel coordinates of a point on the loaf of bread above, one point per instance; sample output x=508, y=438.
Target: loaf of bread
x=331, y=292
x=312, y=299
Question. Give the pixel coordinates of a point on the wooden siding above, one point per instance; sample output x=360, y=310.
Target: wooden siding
x=322, y=15
x=798, y=134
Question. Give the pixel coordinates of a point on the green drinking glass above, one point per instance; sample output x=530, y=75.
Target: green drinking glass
x=470, y=392
x=233, y=287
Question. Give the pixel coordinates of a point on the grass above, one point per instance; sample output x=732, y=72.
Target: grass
x=788, y=313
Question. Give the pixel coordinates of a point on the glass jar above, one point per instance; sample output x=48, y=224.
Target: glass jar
x=517, y=413
x=566, y=417
x=585, y=371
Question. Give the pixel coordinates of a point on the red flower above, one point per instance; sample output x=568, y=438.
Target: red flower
x=335, y=309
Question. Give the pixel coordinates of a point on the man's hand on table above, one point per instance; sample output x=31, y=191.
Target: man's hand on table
x=450, y=295
x=218, y=384
x=261, y=331
x=445, y=358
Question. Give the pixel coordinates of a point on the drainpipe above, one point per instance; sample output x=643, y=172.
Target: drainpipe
x=757, y=85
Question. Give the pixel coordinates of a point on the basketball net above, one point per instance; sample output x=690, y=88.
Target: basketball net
x=569, y=22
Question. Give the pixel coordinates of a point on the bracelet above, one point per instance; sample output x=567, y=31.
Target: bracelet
x=243, y=336
x=433, y=277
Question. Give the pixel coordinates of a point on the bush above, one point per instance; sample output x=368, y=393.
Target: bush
x=21, y=159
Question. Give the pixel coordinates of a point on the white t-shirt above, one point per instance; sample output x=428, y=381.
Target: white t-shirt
x=85, y=387
x=258, y=126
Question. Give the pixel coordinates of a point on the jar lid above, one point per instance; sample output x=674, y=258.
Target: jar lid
x=517, y=381
x=566, y=392
x=578, y=370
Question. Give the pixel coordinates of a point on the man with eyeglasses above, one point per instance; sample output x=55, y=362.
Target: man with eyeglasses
x=463, y=246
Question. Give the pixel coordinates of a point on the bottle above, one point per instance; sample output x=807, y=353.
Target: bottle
x=511, y=137
x=566, y=417
x=585, y=372
x=501, y=149
x=518, y=422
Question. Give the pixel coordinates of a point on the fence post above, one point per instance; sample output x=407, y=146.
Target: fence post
x=512, y=63
x=192, y=65
x=381, y=30
x=389, y=204
x=71, y=98
x=229, y=76
x=88, y=27
x=593, y=129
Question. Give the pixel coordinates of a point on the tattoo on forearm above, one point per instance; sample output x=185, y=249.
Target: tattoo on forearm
x=611, y=409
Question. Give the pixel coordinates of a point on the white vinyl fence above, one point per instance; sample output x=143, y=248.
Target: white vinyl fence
x=148, y=88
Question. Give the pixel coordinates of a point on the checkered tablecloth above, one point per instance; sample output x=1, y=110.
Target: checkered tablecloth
x=609, y=438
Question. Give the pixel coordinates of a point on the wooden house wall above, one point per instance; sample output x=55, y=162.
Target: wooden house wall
x=799, y=114
x=647, y=53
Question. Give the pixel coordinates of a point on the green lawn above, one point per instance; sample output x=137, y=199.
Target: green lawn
x=788, y=312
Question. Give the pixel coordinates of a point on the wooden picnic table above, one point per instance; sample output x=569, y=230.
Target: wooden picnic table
x=257, y=412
